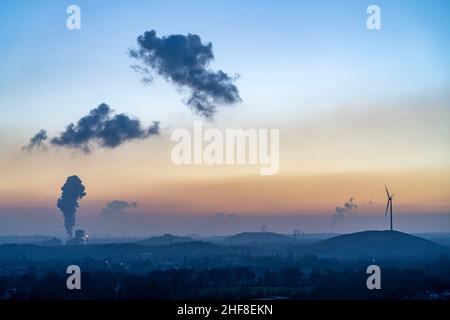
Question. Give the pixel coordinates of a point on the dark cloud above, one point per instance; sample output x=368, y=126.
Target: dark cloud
x=71, y=192
x=99, y=128
x=117, y=208
x=37, y=141
x=183, y=60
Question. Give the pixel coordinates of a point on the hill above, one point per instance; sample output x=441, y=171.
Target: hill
x=257, y=238
x=376, y=244
x=164, y=240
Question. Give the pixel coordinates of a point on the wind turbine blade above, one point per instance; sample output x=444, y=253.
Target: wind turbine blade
x=387, y=208
x=387, y=192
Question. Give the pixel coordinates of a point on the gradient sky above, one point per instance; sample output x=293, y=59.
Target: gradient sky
x=356, y=109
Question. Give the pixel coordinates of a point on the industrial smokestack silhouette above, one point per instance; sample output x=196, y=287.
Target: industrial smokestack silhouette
x=389, y=205
x=71, y=192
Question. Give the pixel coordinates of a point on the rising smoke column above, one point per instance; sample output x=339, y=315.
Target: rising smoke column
x=348, y=208
x=71, y=192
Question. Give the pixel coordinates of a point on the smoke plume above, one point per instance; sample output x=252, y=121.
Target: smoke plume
x=37, y=141
x=183, y=60
x=117, y=208
x=222, y=215
x=71, y=192
x=349, y=207
x=100, y=128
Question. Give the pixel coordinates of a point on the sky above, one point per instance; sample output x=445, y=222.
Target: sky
x=356, y=109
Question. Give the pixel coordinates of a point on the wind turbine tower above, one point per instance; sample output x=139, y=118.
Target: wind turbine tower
x=389, y=205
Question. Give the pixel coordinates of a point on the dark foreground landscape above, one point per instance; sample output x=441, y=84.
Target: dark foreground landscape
x=259, y=265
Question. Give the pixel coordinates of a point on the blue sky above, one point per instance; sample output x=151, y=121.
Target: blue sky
x=347, y=100
x=289, y=52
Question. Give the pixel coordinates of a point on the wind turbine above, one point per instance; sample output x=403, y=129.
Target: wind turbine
x=389, y=204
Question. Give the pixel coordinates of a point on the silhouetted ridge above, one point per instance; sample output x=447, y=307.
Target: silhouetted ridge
x=376, y=244
x=248, y=238
x=166, y=239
